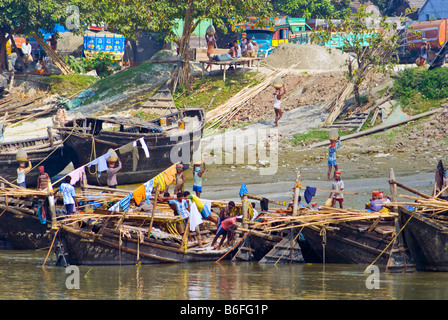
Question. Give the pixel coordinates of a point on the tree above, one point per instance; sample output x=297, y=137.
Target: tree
x=313, y=8
x=372, y=41
x=33, y=16
x=161, y=16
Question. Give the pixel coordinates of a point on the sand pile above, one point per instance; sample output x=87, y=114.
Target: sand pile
x=308, y=57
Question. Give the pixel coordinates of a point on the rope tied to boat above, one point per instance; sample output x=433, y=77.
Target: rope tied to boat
x=323, y=234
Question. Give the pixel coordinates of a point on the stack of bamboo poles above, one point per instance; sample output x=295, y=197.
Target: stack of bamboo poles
x=432, y=205
x=229, y=109
x=323, y=217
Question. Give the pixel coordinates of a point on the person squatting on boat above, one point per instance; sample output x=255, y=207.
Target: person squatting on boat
x=376, y=204
x=225, y=229
x=181, y=208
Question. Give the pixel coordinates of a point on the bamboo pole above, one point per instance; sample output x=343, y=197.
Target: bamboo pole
x=153, y=210
x=296, y=194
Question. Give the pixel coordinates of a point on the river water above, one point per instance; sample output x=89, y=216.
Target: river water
x=22, y=276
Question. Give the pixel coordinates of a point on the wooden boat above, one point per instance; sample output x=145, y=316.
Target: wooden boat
x=47, y=151
x=22, y=229
x=167, y=143
x=426, y=239
x=350, y=242
x=128, y=246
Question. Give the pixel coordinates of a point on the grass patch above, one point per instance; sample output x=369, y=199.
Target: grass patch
x=67, y=85
x=203, y=89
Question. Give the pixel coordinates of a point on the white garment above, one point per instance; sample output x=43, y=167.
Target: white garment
x=26, y=49
x=144, y=146
x=20, y=176
x=195, y=216
x=277, y=102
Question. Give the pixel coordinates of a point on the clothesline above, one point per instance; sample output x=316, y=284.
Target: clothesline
x=101, y=162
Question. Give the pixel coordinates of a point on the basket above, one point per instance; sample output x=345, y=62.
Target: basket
x=113, y=156
x=21, y=155
x=333, y=135
x=210, y=30
x=277, y=83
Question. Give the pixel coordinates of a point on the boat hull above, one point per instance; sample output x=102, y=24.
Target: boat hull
x=54, y=159
x=86, y=248
x=426, y=240
x=348, y=244
x=164, y=151
x=22, y=231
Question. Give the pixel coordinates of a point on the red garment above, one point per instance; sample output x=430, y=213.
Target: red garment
x=227, y=223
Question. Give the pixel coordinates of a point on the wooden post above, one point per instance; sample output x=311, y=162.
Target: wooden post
x=51, y=205
x=244, y=210
x=393, y=188
x=153, y=209
x=296, y=195
x=50, y=136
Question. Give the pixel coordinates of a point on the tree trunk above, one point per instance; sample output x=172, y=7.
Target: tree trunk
x=65, y=69
x=3, y=60
x=184, y=45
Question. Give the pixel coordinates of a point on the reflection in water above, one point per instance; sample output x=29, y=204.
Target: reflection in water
x=22, y=277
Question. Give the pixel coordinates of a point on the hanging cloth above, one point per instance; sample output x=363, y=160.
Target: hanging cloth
x=144, y=146
x=101, y=163
x=76, y=175
x=310, y=192
x=131, y=147
x=195, y=216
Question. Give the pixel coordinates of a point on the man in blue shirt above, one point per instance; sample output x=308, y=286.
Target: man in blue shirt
x=181, y=205
x=68, y=195
x=181, y=208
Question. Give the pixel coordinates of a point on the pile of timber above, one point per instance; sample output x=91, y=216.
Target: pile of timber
x=13, y=111
x=227, y=111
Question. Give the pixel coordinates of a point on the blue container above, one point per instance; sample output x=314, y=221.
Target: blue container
x=119, y=42
x=89, y=42
x=100, y=43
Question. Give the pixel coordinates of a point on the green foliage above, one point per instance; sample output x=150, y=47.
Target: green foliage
x=101, y=62
x=434, y=83
x=313, y=8
x=373, y=44
x=405, y=85
x=431, y=84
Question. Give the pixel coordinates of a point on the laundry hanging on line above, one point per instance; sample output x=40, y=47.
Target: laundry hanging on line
x=76, y=175
x=101, y=163
x=133, y=147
